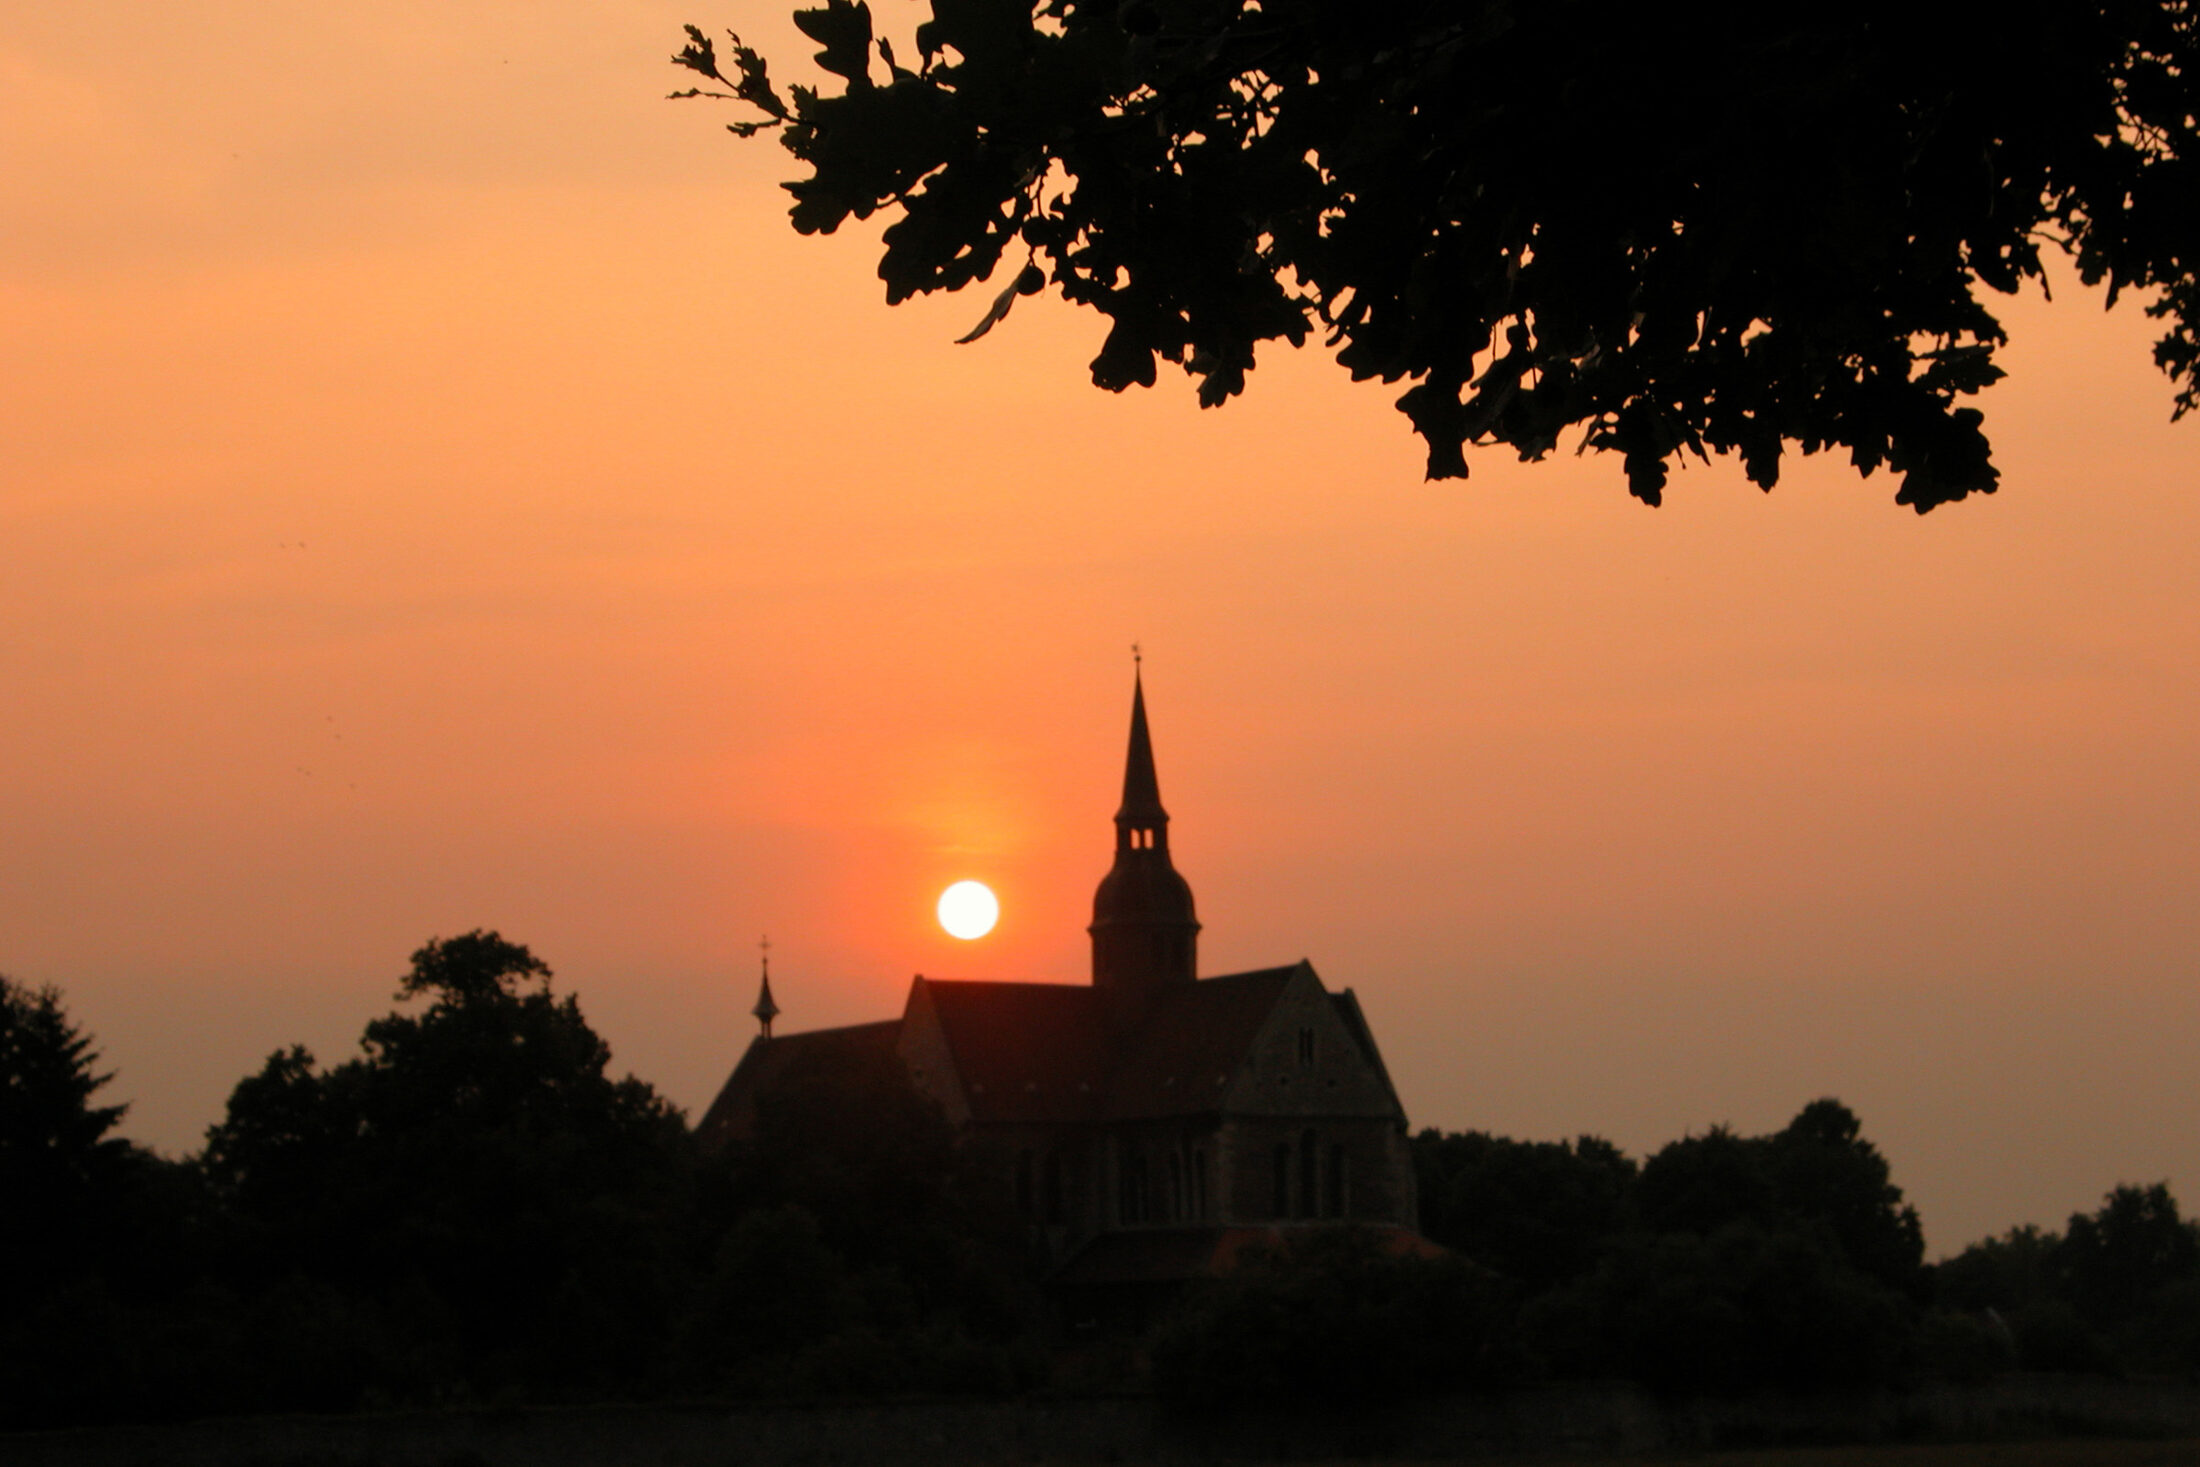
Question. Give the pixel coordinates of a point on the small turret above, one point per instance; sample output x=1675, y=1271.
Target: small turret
x=765, y=1009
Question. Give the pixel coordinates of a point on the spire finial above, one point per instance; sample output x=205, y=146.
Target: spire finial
x=765, y=1009
x=1138, y=659
x=1141, y=808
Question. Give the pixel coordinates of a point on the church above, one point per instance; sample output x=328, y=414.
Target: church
x=1152, y=1122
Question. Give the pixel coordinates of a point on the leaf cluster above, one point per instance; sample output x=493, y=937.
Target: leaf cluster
x=1710, y=228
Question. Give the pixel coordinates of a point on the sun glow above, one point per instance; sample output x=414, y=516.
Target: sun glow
x=968, y=910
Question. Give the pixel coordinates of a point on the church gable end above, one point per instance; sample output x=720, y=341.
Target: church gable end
x=928, y=1057
x=1311, y=1125
x=1305, y=1060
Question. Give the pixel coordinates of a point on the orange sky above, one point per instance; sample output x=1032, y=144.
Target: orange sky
x=440, y=492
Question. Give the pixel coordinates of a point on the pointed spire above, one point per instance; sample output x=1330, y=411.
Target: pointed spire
x=765, y=1009
x=1141, y=787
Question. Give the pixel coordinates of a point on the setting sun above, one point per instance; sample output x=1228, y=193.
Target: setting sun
x=968, y=910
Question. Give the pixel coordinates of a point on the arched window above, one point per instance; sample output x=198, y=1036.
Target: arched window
x=1335, y=1183
x=1307, y=1177
x=1176, y=1187
x=1199, y=1185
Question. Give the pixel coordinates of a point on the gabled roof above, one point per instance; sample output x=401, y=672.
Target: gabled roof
x=1046, y=1052
x=1053, y=1053
x=1355, y=1023
x=1192, y=1040
x=1025, y=1051
x=768, y=1062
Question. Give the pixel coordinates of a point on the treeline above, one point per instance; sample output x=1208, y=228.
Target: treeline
x=1726, y=1262
x=1722, y=1264
x=472, y=1210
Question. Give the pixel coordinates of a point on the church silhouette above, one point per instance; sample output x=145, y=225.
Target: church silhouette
x=1152, y=1123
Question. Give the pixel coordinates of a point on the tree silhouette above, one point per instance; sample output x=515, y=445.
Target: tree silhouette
x=1718, y=228
x=1537, y=1212
x=1748, y=1261
x=2119, y=1290
x=2111, y=1263
x=475, y=1188
x=97, y=1235
x=58, y=1162
x=1824, y=1172
x=1330, y=1317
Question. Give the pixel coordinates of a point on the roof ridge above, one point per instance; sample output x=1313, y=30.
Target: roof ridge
x=1006, y=983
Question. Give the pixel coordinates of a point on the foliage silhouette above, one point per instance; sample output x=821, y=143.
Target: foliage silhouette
x=1330, y=1318
x=476, y=1189
x=1740, y=1308
x=867, y=1250
x=1712, y=228
x=97, y=1236
x=58, y=1163
x=2118, y=1291
x=1786, y=1260
x=2111, y=1264
x=1824, y=1171
x=1536, y=1212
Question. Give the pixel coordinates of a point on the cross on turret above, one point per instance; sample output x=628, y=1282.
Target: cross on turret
x=765, y=1009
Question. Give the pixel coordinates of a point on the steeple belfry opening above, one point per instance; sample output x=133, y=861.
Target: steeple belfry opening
x=1140, y=822
x=1144, y=933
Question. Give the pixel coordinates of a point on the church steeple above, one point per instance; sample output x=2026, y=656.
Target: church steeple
x=1140, y=820
x=1144, y=935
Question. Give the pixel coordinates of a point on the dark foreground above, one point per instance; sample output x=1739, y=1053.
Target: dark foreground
x=2024, y=1422
x=1943, y=1454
